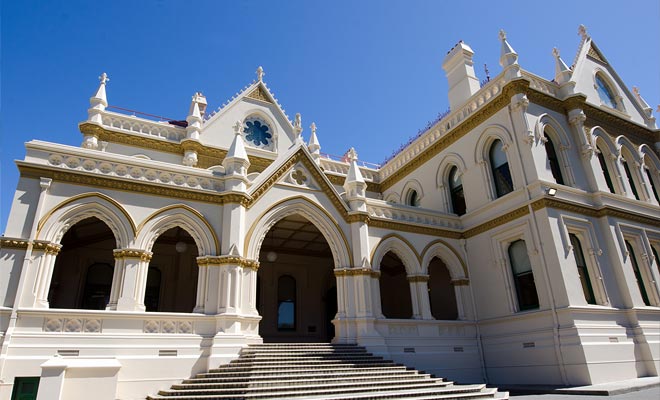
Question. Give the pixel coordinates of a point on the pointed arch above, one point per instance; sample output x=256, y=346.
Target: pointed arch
x=402, y=248
x=183, y=216
x=645, y=152
x=314, y=214
x=545, y=121
x=450, y=194
x=444, y=251
x=54, y=224
x=608, y=154
x=556, y=140
x=448, y=161
x=600, y=135
x=407, y=193
x=624, y=144
x=632, y=167
x=482, y=156
x=487, y=137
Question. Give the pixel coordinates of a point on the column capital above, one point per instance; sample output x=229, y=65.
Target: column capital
x=460, y=282
x=47, y=247
x=218, y=261
x=418, y=278
x=143, y=255
x=357, y=272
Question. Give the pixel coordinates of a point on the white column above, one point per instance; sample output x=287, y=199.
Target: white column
x=422, y=287
x=46, y=263
x=135, y=268
x=117, y=279
x=414, y=297
x=202, y=275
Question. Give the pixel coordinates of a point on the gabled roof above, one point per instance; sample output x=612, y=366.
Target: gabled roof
x=276, y=171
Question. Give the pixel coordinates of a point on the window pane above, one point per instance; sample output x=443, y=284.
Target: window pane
x=523, y=276
x=631, y=181
x=605, y=93
x=500, y=167
x=553, y=160
x=519, y=258
x=638, y=274
x=583, y=270
x=286, y=303
x=606, y=171
x=653, y=188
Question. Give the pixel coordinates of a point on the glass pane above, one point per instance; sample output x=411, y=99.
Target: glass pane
x=497, y=155
x=526, y=291
x=553, y=160
x=638, y=274
x=286, y=316
x=519, y=258
x=631, y=181
x=606, y=171
x=454, y=178
x=583, y=270
x=654, y=189
x=606, y=95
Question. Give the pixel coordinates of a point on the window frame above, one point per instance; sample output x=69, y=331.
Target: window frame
x=453, y=191
x=517, y=277
x=496, y=171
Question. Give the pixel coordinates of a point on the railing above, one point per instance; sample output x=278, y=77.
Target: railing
x=133, y=124
x=541, y=84
x=341, y=167
x=384, y=210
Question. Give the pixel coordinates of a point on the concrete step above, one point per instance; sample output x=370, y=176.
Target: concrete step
x=301, y=369
x=346, y=373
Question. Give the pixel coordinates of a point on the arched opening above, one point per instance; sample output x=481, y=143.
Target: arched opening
x=553, y=160
x=499, y=165
x=296, y=287
x=82, y=275
x=605, y=169
x=413, y=198
x=394, y=288
x=442, y=296
x=456, y=191
x=641, y=284
x=172, y=275
x=631, y=178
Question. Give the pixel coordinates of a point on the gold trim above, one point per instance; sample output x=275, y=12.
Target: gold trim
x=143, y=255
x=418, y=278
x=520, y=85
x=358, y=217
x=460, y=282
x=493, y=223
x=9, y=243
x=259, y=94
x=357, y=272
x=198, y=214
x=213, y=261
x=105, y=197
x=47, y=247
x=594, y=212
x=423, y=230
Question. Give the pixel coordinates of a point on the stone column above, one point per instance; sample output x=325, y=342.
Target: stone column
x=421, y=293
x=44, y=254
x=202, y=278
x=135, y=265
x=459, y=286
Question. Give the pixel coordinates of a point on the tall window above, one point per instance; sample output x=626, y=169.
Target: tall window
x=500, y=167
x=286, y=303
x=605, y=93
x=553, y=160
x=583, y=270
x=606, y=171
x=638, y=274
x=457, y=195
x=523, y=277
x=631, y=181
x=652, y=182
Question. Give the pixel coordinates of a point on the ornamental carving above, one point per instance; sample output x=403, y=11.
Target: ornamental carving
x=73, y=325
x=14, y=244
x=53, y=325
x=92, y=326
x=143, y=255
x=209, y=261
x=47, y=247
x=168, y=327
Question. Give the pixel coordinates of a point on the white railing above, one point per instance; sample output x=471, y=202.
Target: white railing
x=382, y=210
x=341, y=168
x=541, y=84
x=132, y=124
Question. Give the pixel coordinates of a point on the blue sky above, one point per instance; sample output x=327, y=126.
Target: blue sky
x=367, y=72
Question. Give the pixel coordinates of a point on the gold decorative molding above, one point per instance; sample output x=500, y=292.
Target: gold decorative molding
x=595, y=212
x=47, y=247
x=495, y=222
x=358, y=217
x=357, y=272
x=236, y=198
x=595, y=54
x=10, y=243
x=418, y=278
x=214, y=261
x=460, y=282
x=143, y=255
x=259, y=94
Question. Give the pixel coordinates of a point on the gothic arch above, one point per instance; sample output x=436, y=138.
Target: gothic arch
x=402, y=248
x=555, y=130
x=482, y=158
x=599, y=134
x=412, y=184
x=488, y=136
x=443, y=251
x=448, y=161
x=622, y=143
x=56, y=222
x=182, y=216
x=646, y=151
x=314, y=214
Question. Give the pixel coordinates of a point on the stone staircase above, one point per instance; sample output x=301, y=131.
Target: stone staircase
x=318, y=371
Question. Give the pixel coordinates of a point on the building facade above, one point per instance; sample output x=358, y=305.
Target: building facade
x=514, y=241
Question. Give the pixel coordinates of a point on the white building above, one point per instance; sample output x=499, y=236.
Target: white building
x=515, y=241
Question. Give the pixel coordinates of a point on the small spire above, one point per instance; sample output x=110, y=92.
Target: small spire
x=562, y=72
x=313, y=145
x=100, y=96
x=237, y=148
x=582, y=31
x=351, y=155
x=297, y=123
x=354, y=184
x=508, y=55
x=260, y=74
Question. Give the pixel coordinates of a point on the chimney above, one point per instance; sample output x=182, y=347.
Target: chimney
x=459, y=68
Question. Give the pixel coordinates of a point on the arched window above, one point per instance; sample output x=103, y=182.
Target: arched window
x=523, y=277
x=412, y=198
x=553, y=160
x=605, y=92
x=286, y=303
x=652, y=182
x=456, y=189
x=583, y=270
x=605, y=169
x=638, y=274
x=631, y=180
x=442, y=296
x=500, y=168
x=395, y=298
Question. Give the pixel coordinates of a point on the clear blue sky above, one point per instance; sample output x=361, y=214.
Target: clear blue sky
x=367, y=72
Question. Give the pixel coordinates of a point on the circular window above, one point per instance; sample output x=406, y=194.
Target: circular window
x=257, y=132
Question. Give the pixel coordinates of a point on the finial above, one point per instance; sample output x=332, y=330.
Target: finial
x=237, y=128
x=636, y=91
x=555, y=52
x=312, y=127
x=502, y=34
x=298, y=121
x=582, y=31
x=260, y=74
x=104, y=78
x=351, y=155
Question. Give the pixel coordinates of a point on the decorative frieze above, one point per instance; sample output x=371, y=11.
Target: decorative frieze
x=182, y=327
x=47, y=247
x=143, y=255
x=10, y=243
x=72, y=325
x=357, y=272
x=212, y=261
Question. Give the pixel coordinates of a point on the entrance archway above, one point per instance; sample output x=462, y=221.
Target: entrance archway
x=296, y=286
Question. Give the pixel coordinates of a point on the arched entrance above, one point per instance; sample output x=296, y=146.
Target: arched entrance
x=296, y=286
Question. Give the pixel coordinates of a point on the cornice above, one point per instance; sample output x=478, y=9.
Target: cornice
x=424, y=230
x=605, y=211
x=495, y=222
x=217, y=261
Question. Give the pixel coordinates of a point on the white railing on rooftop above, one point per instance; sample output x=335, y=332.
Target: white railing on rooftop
x=383, y=210
x=133, y=124
x=341, y=167
x=541, y=84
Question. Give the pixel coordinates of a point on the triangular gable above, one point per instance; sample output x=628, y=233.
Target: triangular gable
x=260, y=94
x=284, y=171
x=588, y=61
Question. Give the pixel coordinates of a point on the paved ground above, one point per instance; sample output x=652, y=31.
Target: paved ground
x=646, y=394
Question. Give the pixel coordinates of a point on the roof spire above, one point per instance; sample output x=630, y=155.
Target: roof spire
x=354, y=184
x=313, y=145
x=562, y=72
x=98, y=102
x=260, y=74
x=582, y=31
x=508, y=55
x=297, y=127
